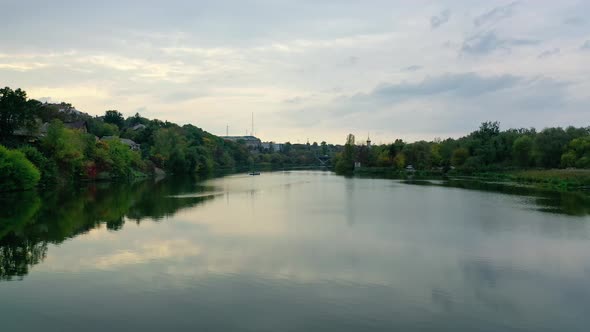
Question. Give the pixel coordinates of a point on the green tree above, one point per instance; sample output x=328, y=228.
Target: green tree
x=459, y=157
x=287, y=147
x=114, y=117
x=418, y=154
x=65, y=146
x=16, y=111
x=400, y=160
x=100, y=128
x=16, y=171
x=396, y=147
x=522, y=151
x=578, y=153
x=435, y=154
x=569, y=159
x=324, y=146
x=382, y=159
x=487, y=130
x=123, y=159
x=169, y=150
x=46, y=166
x=549, y=146
x=345, y=161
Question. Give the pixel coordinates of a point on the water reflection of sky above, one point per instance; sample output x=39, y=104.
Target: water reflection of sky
x=357, y=251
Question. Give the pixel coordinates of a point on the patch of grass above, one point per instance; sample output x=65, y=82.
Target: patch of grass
x=562, y=179
x=559, y=178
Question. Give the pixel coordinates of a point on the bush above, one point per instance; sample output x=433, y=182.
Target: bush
x=344, y=167
x=459, y=157
x=16, y=171
x=66, y=147
x=46, y=166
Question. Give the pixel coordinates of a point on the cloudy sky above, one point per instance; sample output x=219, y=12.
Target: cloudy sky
x=308, y=68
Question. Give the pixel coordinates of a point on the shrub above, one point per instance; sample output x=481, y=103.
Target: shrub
x=46, y=166
x=16, y=171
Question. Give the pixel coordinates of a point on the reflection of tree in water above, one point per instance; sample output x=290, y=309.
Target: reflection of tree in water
x=570, y=203
x=17, y=255
x=161, y=199
x=16, y=210
x=576, y=204
x=28, y=222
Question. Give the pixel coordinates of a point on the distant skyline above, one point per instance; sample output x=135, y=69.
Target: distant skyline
x=314, y=70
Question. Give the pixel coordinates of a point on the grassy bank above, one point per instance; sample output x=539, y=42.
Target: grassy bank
x=559, y=179
x=393, y=173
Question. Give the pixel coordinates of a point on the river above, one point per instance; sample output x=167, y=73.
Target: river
x=295, y=251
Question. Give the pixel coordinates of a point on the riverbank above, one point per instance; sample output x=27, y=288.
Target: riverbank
x=557, y=179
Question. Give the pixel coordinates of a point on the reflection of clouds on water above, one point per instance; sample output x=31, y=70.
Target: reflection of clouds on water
x=405, y=250
x=442, y=299
x=176, y=249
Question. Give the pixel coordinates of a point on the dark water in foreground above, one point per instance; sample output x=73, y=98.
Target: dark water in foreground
x=295, y=251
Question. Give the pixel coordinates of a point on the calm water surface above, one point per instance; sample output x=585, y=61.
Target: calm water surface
x=295, y=251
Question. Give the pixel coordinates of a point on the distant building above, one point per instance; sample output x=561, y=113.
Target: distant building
x=78, y=125
x=32, y=134
x=250, y=141
x=64, y=108
x=138, y=126
x=131, y=144
x=29, y=135
x=272, y=146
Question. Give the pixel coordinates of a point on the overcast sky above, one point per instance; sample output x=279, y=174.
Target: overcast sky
x=308, y=68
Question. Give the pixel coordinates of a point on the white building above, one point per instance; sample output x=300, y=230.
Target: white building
x=272, y=146
x=250, y=141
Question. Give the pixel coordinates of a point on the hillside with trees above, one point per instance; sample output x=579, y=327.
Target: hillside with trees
x=42, y=144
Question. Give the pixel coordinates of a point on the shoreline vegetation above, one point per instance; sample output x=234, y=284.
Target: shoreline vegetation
x=554, y=158
x=555, y=179
x=50, y=145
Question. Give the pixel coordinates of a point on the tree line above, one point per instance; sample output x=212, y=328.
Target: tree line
x=41, y=144
x=293, y=155
x=486, y=149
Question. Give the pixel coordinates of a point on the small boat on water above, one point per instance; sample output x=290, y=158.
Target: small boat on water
x=254, y=173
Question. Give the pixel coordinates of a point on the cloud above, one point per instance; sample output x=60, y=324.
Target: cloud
x=22, y=66
x=549, y=53
x=440, y=19
x=212, y=63
x=183, y=95
x=353, y=60
x=575, y=21
x=412, y=68
x=495, y=15
x=488, y=42
x=454, y=102
x=453, y=86
x=295, y=100
x=465, y=85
